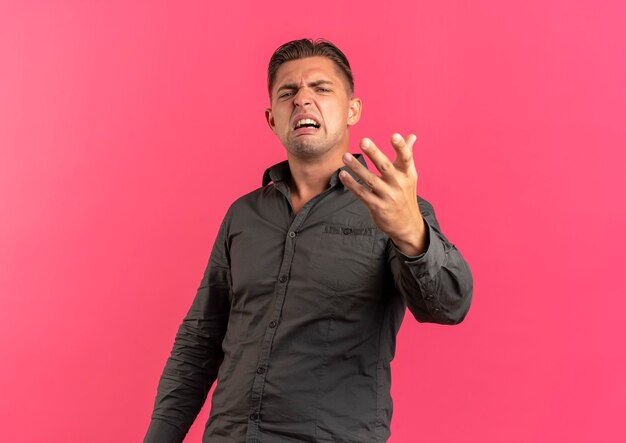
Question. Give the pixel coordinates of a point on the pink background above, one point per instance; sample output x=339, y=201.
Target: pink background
x=126, y=130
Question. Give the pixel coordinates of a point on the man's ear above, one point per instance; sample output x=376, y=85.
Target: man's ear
x=269, y=117
x=354, y=111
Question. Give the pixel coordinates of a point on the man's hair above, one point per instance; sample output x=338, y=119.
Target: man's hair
x=306, y=47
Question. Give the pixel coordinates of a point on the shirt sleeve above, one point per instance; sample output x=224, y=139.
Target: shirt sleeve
x=437, y=284
x=197, y=353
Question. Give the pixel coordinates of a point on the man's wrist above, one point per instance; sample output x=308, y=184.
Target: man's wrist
x=414, y=242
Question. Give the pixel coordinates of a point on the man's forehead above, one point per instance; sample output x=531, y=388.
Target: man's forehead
x=307, y=70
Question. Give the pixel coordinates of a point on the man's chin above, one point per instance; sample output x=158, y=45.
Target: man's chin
x=305, y=147
x=307, y=150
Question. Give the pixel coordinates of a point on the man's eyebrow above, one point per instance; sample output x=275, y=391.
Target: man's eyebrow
x=293, y=86
x=290, y=86
x=320, y=82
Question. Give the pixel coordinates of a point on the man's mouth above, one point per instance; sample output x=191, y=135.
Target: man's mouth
x=306, y=123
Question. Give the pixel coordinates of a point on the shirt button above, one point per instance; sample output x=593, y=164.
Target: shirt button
x=272, y=324
x=347, y=231
x=429, y=297
x=254, y=416
x=282, y=279
x=436, y=309
x=260, y=370
x=292, y=234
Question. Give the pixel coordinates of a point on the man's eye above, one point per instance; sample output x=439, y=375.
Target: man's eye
x=323, y=90
x=285, y=94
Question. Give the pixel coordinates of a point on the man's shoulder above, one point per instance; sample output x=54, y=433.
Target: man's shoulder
x=252, y=199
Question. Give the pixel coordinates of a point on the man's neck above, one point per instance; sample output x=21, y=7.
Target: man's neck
x=311, y=177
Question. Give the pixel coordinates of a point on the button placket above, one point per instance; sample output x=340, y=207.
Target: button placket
x=280, y=292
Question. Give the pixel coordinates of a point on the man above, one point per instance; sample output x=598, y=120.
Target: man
x=309, y=278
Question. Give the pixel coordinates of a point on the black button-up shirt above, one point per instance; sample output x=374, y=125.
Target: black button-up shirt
x=297, y=315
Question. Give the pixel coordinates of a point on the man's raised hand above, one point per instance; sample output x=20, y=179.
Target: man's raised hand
x=391, y=197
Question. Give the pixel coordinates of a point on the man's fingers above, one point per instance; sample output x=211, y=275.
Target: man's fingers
x=410, y=140
x=380, y=160
x=360, y=191
x=404, y=150
x=370, y=179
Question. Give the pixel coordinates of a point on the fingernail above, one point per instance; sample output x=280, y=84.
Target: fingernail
x=347, y=157
x=365, y=143
x=397, y=137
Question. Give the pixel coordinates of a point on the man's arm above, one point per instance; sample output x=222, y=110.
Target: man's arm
x=428, y=270
x=197, y=353
x=436, y=284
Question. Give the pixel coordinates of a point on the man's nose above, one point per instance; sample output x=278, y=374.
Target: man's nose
x=302, y=97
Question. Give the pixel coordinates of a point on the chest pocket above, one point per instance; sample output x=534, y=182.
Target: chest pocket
x=347, y=258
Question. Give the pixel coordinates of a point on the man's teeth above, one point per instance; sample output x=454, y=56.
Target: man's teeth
x=306, y=122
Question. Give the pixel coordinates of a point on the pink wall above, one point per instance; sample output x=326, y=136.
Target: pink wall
x=121, y=125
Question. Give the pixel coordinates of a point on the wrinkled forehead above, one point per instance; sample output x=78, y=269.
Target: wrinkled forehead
x=309, y=70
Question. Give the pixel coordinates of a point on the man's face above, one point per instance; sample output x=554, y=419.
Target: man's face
x=311, y=107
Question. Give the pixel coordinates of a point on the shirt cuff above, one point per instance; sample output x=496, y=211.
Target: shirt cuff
x=427, y=264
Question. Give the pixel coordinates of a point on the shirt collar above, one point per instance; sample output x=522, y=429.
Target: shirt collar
x=280, y=172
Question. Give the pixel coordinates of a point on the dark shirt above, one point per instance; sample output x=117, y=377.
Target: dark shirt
x=297, y=316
